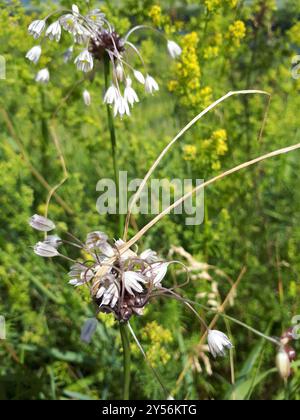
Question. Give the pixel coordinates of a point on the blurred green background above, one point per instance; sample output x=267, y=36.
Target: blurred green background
x=252, y=218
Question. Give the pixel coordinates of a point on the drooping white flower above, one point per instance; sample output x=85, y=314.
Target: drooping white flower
x=75, y=274
x=81, y=36
x=139, y=76
x=80, y=276
x=132, y=282
x=41, y=223
x=84, y=61
x=111, y=95
x=70, y=22
x=106, y=249
x=151, y=85
x=174, y=49
x=75, y=10
x=94, y=239
x=87, y=97
x=283, y=364
x=149, y=256
x=43, y=76
x=96, y=17
x=34, y=54
x=121, y=106
x=44, y=250
x=119, y=72
x=54, y=31
x=36, y=28
x=130, y=94
x=218, y=342
x=156, y=273
x=110, y=296
x=125, y=255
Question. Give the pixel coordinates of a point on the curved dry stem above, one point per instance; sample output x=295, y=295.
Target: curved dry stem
x=27, y=160
x=178, y=136
x=238, y=168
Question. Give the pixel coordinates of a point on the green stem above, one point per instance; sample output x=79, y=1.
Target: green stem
x=111, y=124
x=113, y=138
x=127, y=360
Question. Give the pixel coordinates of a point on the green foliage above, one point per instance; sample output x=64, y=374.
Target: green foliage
x=252, y=218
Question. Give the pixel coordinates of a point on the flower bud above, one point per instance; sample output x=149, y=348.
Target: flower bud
x=283, y=364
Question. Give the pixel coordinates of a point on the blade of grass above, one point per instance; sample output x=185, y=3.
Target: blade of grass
x=32, y=169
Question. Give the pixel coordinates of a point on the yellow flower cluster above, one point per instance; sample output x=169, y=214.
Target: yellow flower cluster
x=212, y=149
x=189, y=152
x=211, y=52
x=294, y=34
x=187, y=85
x=213, y=5
x=163, y=21
x=219, y=137
x=155, y=339
x=236, y=32
x=156, y=15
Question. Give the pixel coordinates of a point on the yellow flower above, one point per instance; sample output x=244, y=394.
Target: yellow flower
x=187, y=82
x=212, y=5
x=156, y=338
x=189, y=152
x=236, y=32
x=155, y=15
x=211, y=52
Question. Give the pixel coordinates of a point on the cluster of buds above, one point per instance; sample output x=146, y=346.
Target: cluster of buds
x=286, y=354
x=99, y=41
x=121, y=283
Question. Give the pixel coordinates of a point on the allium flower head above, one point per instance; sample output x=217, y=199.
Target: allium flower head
x=120, y=282
x=97, y=39
x=218, y=343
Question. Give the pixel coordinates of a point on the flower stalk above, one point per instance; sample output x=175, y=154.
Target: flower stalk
x=126, y=359
x=113, y=137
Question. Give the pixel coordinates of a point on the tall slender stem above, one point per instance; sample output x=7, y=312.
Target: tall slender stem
x=127, y=359
x=113, y=140
x=111, y=124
